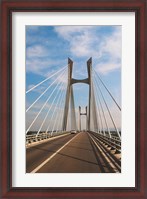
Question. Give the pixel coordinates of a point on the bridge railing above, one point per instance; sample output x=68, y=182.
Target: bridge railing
x=115, y=137
x=113, y=142
x=42, y=136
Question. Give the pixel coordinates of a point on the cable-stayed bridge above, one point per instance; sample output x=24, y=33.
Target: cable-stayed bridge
x=63, y=138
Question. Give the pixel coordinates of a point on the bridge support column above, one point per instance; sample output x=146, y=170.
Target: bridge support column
x=89, y=65
x=70, y=98
x=92, y=114
x=73, y=115
x=79, y=118
x=80, y=113
x=68, y=92
x=94, y=110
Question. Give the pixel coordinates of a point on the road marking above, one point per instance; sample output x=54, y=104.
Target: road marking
x=108, y=160
x=48, y=159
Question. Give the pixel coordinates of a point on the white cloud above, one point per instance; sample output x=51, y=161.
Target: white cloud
x=111, y=49
x=44, y=67
x=80, y=45
x=112, y=45
x=67, y=32
x=37, y=66
x=84, y=41
x=36, y=51
x=80, y=38
x=105, y=68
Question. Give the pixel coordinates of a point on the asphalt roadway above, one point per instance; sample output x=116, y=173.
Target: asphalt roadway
x=73, y=153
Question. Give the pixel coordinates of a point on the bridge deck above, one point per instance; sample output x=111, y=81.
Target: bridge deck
x=73, y=153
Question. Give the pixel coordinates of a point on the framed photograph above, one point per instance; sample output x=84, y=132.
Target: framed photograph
x=73, y=99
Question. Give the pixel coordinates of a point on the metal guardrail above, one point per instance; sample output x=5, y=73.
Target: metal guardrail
x=113, y=142
x=42, y=136
x=115, y=137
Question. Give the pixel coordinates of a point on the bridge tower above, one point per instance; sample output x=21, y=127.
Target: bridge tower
x=91, y=110
x=80, y=113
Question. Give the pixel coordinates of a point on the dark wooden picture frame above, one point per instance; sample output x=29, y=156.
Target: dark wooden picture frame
x=140, y=9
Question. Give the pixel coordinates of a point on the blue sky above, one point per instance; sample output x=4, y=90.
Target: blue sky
x=48, y=49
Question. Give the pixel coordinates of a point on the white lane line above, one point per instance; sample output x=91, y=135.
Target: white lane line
x=108, y=160
x=48, y=159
